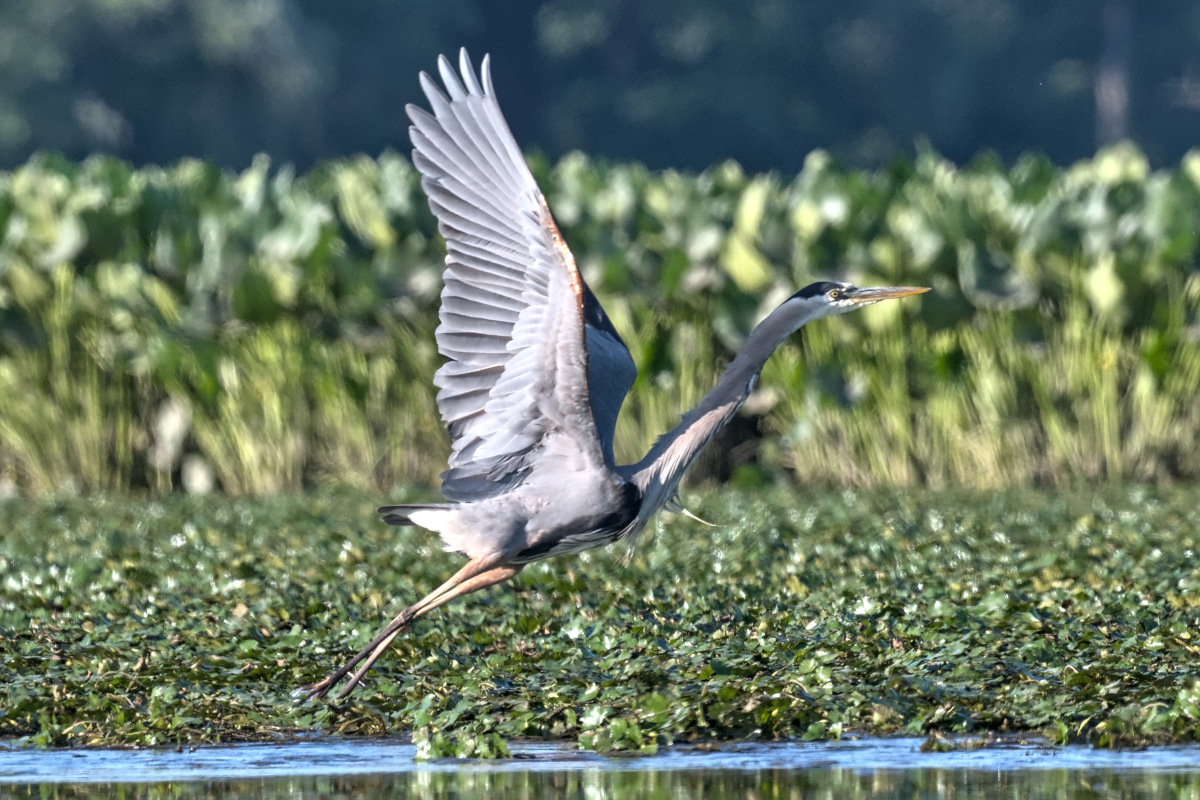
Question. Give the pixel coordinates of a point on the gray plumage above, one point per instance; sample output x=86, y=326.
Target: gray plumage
x=536, y=373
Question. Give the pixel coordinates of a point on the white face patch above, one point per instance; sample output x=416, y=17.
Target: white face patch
x=849, y=305
x=843, y=304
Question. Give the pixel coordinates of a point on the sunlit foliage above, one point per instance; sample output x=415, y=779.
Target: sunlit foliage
x=1073, y=613
x=265, y=331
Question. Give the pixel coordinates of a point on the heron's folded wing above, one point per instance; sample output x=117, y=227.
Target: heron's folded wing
x=512, y=316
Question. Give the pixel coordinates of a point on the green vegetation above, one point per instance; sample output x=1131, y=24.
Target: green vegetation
x=276, y=330
x=1076, y=614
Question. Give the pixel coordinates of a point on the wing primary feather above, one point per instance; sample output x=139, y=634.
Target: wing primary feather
x=449, y=117
x=516, y=168
x=440, y=161
x=502, y=142
x=499, y=160
x=473, y=208
x=463, y=209
x=439, y=134
x=443, y=161
x=450, y=79
x=430, y=88
x=505, y=139
x=465, y=226
x=468, y=72
x=469, y=198
x=479, y=117
x=485, y=72
x=437, y=98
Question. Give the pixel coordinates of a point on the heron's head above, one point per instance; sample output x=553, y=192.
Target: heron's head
x=826, y=298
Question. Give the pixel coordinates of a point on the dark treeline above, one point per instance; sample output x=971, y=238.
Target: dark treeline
x=683, y=83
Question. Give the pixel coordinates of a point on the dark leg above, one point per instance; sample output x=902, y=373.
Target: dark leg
x=489, y=578
x=476, y=574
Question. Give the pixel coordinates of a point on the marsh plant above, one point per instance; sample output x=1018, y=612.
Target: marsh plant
x=274, y=331
x=803, y=614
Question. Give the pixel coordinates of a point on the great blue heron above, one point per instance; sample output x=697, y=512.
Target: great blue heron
x=536, y=371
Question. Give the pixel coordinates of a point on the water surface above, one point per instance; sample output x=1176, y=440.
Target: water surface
x=385, y=768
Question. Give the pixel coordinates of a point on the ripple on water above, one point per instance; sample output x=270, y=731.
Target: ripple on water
x=538, y=763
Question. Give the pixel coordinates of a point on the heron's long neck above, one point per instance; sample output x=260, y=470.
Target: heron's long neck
x=658, y=474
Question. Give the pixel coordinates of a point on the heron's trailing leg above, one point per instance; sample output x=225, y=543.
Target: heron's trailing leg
x=475, y=575
x=489, y=578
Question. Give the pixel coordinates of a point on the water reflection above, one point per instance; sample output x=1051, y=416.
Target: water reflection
x=335, y=767
x=774, y=784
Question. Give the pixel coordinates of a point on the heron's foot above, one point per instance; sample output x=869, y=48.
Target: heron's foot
x=478, y=574
x=319, y=690
x=369, y=654
x=316, y=691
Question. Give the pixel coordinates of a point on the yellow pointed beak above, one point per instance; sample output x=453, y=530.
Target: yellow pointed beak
x=878, y=293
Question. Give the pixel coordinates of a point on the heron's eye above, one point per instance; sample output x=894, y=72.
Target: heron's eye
x=835, y=294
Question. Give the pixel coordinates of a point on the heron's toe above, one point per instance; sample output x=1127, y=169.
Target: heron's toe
x=311, y=691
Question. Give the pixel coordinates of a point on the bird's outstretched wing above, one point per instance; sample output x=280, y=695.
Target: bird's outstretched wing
x=523, y=333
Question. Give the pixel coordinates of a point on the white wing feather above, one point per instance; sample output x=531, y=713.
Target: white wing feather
x=512, y=321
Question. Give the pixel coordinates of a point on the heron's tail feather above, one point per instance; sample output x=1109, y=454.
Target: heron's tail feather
x=402, y=515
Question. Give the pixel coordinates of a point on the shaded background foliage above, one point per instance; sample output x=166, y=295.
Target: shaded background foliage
x=671, y=83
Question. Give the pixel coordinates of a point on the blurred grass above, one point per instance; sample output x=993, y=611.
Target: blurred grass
x=275, y=331
x=1074, y=613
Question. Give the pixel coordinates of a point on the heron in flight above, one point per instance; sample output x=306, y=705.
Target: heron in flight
x=535, y=372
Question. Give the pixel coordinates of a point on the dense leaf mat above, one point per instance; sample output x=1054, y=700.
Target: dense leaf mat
x=148, y=621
